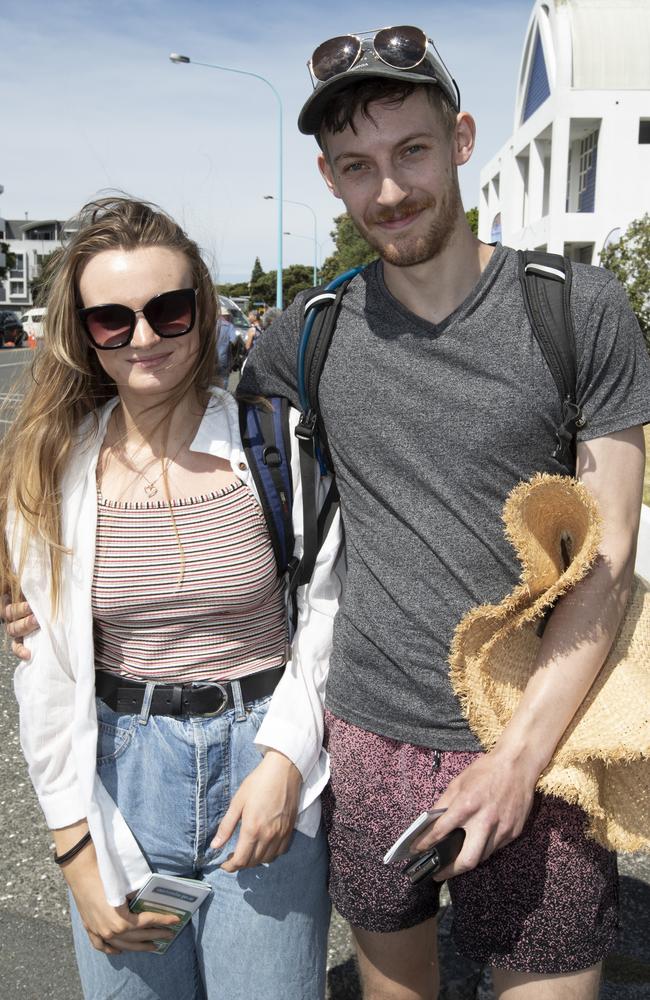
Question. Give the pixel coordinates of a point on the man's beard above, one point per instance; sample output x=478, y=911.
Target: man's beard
x=411, y=250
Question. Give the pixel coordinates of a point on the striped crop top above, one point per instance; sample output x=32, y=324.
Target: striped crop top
x=216, y=613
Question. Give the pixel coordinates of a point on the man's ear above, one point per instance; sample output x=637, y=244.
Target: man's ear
x=327, y=174
x=464, y=138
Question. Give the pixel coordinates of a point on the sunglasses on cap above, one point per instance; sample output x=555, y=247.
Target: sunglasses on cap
x=403, y=47
x=110, y=326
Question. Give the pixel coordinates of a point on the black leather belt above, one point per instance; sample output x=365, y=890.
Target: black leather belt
x=200, y=698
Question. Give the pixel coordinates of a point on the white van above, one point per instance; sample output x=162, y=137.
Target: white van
x=32, y=322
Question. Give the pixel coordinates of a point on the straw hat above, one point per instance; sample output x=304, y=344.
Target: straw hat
x=602, y=762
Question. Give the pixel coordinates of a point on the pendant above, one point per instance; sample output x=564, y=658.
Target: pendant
x=151, y=489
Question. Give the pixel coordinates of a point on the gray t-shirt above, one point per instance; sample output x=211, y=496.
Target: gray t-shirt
x=430, y=427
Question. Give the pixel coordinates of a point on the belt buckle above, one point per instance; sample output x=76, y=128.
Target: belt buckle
x=222, y=707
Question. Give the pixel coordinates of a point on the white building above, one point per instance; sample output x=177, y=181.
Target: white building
x=576, y=170
x=30, y=242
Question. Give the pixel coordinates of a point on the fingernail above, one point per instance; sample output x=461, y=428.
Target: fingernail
x=216, y=843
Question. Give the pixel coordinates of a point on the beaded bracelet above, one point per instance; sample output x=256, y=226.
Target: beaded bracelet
x=60, y=859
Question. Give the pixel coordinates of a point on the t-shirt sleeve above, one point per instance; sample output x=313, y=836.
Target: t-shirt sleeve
x=271, y=366
x=613, y=381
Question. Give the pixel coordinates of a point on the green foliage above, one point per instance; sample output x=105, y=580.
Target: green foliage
x=351, y=249
x=472, y=218
x=10, y=260
x=263, y=288
x=629, y=260
x=294, y=279
x=233, y=288
x=257, y=272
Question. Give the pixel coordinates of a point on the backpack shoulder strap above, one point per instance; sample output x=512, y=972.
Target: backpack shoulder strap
x=322, y=307
x=267, y=443
x=545, y=280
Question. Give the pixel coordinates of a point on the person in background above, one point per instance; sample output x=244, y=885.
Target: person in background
x=227, y=342
x=254, y=330
x=166, y=723
x=11, y=330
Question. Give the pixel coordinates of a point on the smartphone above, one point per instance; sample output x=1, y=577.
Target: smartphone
x=436, y=858
x=170, y=894
x=401, y=849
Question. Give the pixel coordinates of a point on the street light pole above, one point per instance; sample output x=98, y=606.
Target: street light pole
x=269, y=197
x=310, y=239
x=176, y=58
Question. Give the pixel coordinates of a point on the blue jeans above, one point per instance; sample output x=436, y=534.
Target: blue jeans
x=263, y=931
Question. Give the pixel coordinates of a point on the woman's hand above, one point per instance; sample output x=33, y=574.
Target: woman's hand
x=19, y=622
x=266, y=803
x=111, y=929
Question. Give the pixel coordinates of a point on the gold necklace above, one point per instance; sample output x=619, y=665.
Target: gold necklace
x=150, y=488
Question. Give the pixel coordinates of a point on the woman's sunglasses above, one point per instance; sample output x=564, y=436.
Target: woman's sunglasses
x=403, y=47
x=171, y=314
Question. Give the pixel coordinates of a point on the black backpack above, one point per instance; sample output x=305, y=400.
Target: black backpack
x=546, y=287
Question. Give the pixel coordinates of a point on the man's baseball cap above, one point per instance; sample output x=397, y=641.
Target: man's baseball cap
x=403, y=53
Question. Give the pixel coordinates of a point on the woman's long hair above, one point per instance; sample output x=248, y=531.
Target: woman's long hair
x=66, y=381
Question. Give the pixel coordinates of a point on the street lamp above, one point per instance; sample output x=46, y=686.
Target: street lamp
x=288, y=201
x=310, y=239
x=176, y=58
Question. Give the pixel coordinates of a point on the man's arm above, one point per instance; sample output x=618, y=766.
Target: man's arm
x=491, y=799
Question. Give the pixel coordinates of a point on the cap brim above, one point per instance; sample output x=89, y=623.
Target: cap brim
x=311, y=115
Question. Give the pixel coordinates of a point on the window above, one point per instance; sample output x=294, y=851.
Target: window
x=538, y=85
x=587, y=172
x=18, y=270
x=16, y=288
x=644, y=131
x=495, y=232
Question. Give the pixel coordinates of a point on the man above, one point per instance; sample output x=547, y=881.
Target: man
x=423, y=471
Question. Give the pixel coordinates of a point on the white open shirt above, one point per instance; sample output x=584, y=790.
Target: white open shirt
x=56, y=688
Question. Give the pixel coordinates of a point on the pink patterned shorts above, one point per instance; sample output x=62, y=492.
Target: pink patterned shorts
x=546, y=903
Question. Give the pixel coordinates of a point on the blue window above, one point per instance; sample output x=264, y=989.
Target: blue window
x=538, y=86
x=495, y=233
x=587, y=173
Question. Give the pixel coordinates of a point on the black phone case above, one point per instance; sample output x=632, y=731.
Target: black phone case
x=438, y=857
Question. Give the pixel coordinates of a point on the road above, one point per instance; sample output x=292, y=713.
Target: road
x=37, y=961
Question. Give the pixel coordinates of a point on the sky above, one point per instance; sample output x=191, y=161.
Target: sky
x=91, y=103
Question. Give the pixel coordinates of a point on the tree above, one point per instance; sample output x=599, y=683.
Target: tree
x=233, y=289
x=10, y=260
x=296, y=278
x=629, y=260
x=472, y=217
x=257, y=272
x=351, y=249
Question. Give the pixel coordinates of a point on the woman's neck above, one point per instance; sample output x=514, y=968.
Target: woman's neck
x=151, y=426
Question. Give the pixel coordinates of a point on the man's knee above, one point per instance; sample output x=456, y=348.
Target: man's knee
x=581, y=985
x=399, y=966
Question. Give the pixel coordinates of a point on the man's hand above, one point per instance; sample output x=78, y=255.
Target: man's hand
x=266, y=804
x=490, y=800
x=111, y=929
x=19, y=622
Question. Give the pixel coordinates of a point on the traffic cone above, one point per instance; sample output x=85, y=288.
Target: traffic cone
x=31, y=341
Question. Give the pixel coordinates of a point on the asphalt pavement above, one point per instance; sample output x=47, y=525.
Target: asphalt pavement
x=37, y=961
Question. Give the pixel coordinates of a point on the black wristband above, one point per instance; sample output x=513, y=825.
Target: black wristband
x=60, y=859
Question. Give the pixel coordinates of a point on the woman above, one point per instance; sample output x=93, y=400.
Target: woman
x=157, y=712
